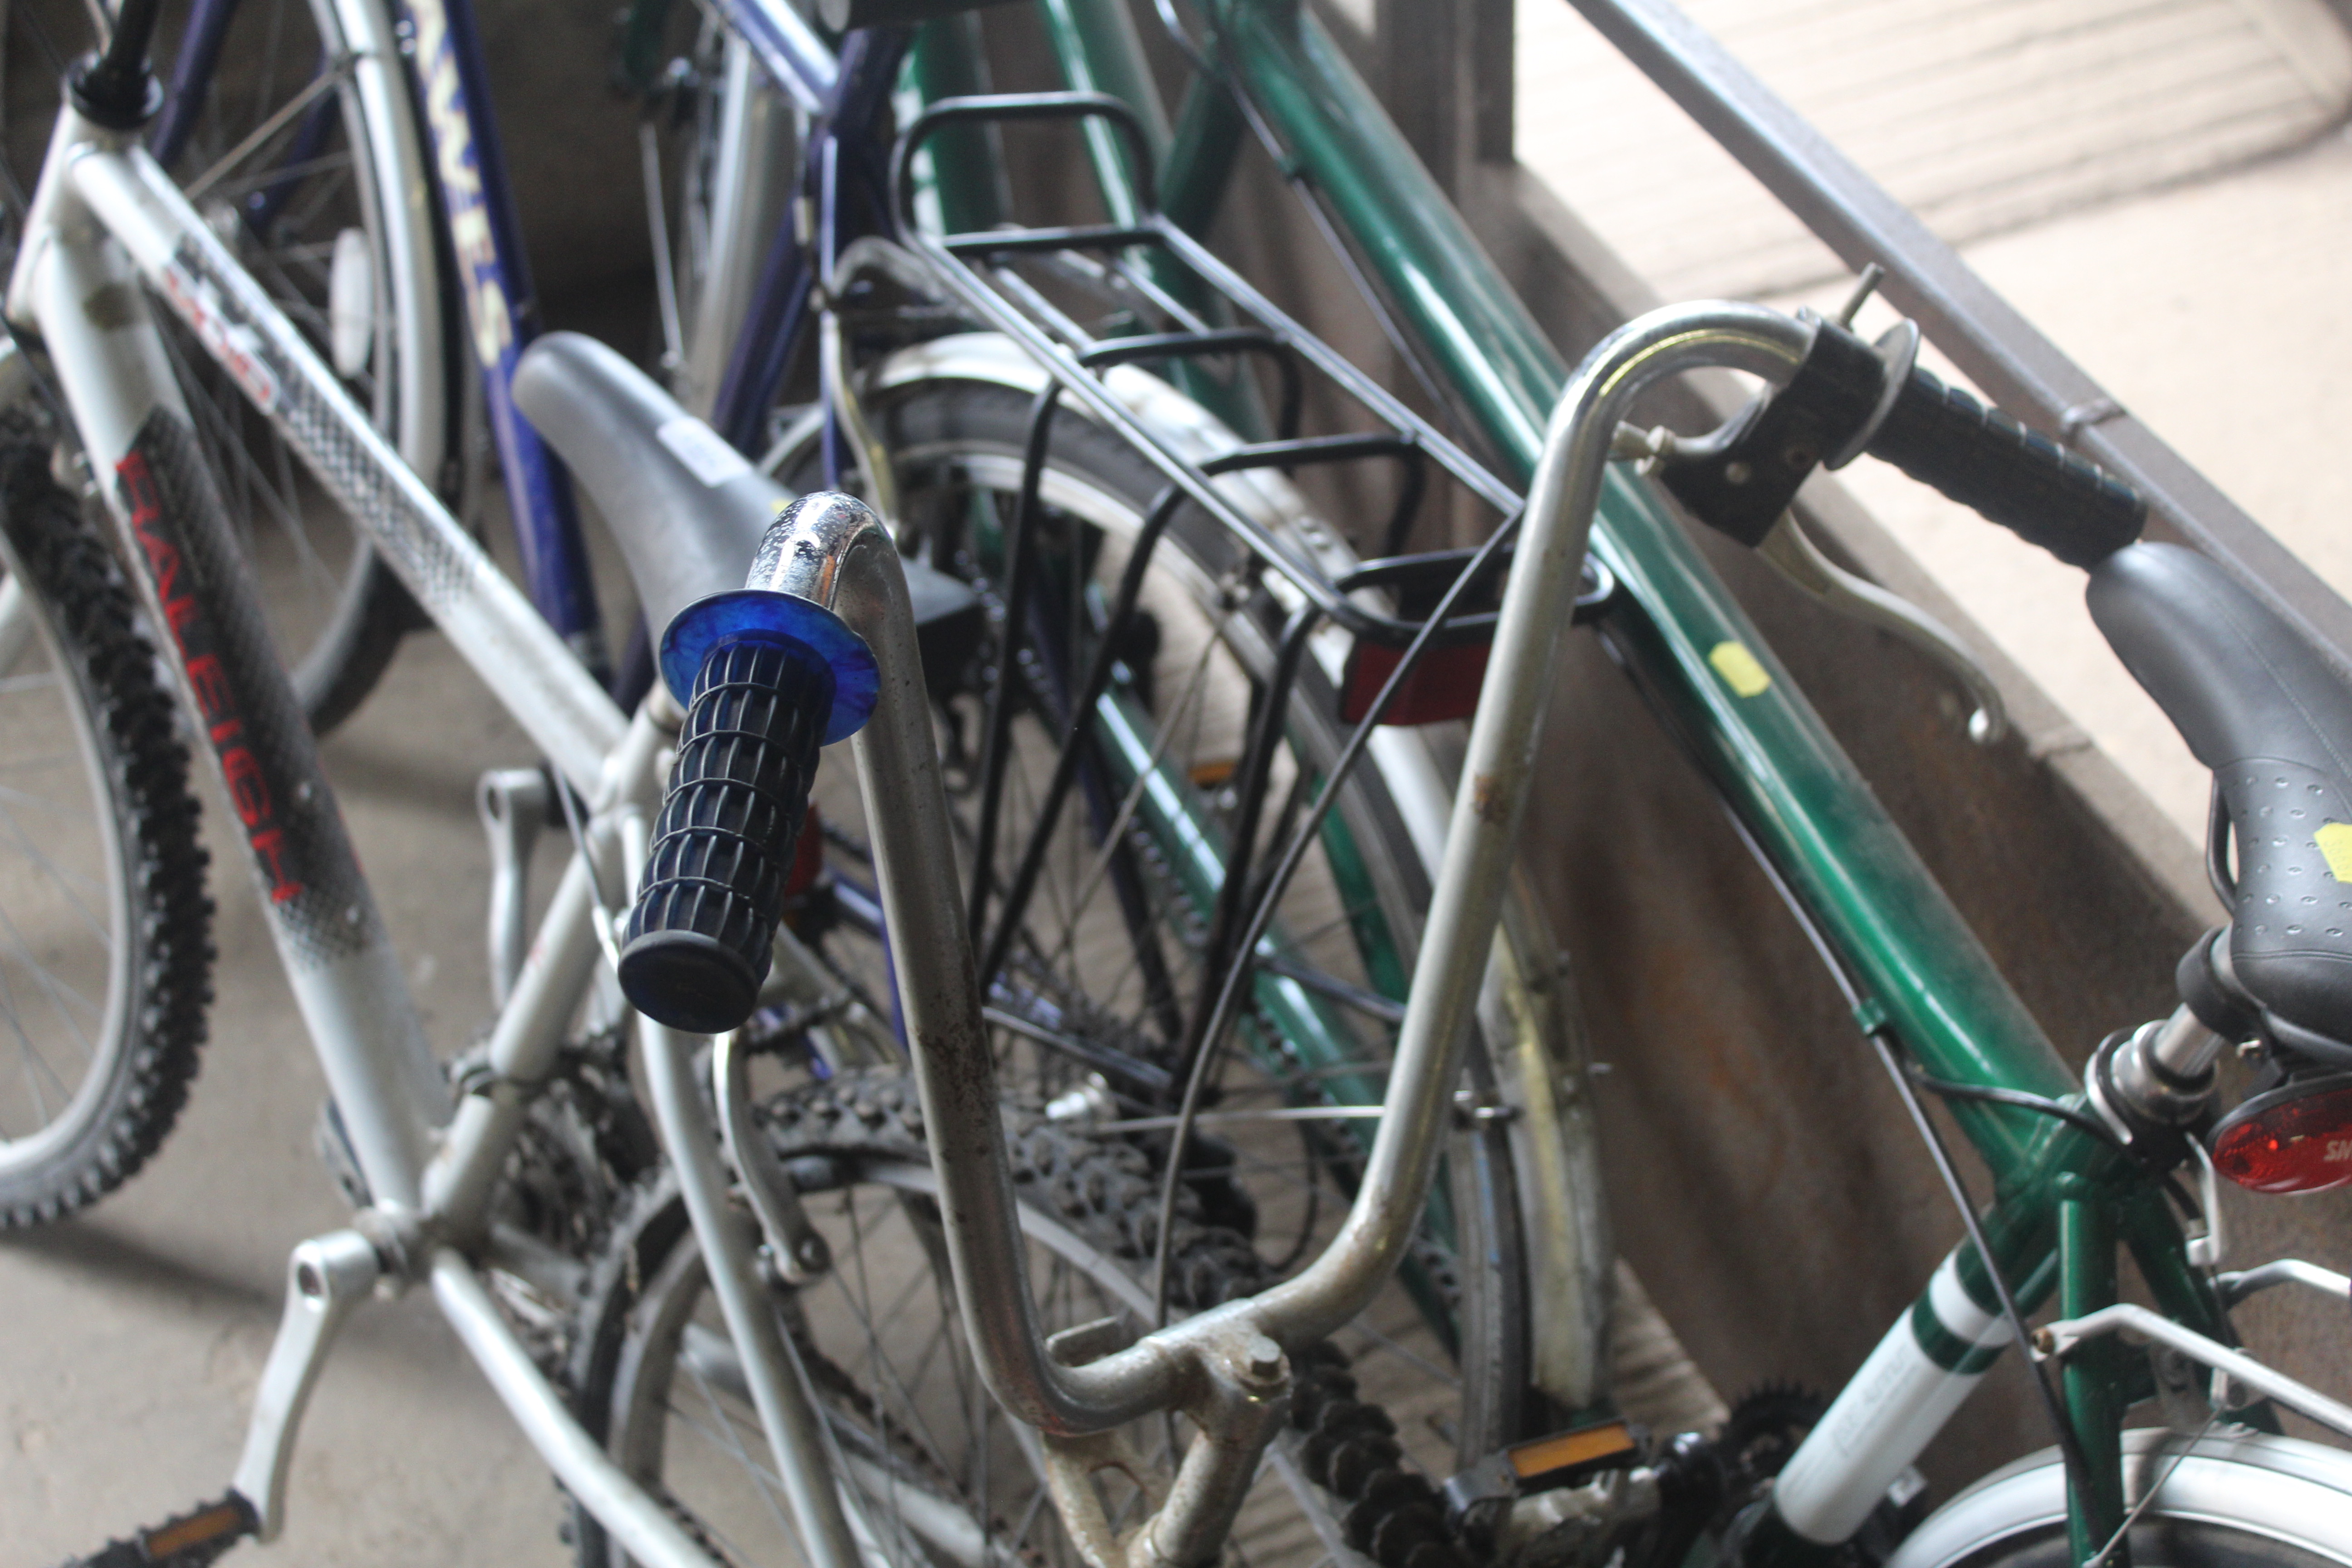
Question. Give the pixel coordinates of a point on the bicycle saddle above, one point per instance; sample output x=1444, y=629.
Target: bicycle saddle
x=685, y=507
x=2260, y=706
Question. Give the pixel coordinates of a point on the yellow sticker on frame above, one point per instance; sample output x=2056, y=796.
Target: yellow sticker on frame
x=2334, y=841
x=1740, y=669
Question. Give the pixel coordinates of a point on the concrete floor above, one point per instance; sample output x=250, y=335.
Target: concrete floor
x=135, y=1335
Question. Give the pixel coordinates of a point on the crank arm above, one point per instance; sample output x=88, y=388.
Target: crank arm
x=1796, y=557
x=325, y=1278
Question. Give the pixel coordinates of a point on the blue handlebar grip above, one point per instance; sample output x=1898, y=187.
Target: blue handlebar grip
x=697, y=948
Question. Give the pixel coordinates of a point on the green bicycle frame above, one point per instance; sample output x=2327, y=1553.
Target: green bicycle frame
x=2062, y=1200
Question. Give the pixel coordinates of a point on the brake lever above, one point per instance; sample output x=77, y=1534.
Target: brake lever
x=1797, y=558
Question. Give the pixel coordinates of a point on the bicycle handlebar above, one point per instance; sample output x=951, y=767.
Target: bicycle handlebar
x=2006, y=473
x=774, y=676
x=1850, y=397
x=697, y=947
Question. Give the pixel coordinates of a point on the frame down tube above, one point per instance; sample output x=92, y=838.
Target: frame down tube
x=502, y=315
x=75, y=285
x=103, y=205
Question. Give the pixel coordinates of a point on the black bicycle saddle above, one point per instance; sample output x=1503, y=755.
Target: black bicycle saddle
x=2273, y=718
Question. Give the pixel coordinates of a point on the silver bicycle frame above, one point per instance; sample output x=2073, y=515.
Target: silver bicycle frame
x=103, y=220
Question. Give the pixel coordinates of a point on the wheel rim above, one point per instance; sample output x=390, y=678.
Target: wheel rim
x=683, y=1420
x=64, y=913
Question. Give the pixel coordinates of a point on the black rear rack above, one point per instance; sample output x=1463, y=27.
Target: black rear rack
x=975, y=267
x=978, y=269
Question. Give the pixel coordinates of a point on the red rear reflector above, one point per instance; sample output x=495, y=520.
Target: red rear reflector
x=1442, y=686
x=2295, y=1139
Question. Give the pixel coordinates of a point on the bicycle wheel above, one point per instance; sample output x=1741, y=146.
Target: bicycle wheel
x=296, y=140
x=1104, y=973
x=939, y=1474
x=722, y=189
x=105, y=928
x=2232, y=1499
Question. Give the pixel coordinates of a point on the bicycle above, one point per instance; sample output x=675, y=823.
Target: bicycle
x=371, y=1138
x=970, y=1162
x=335, y=147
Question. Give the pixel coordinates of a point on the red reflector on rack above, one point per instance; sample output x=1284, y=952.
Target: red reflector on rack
x=2295, y=1139
x=1442, y=686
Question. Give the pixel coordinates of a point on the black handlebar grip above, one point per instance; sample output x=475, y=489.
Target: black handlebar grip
x=697, y=947
x=2015, y=477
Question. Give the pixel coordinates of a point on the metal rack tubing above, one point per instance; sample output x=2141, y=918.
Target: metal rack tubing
x=1066, y=763
x=1201, y=342
x=1292, y=452
x=1020, y=572
x=1257, y=768
x=1067, y=363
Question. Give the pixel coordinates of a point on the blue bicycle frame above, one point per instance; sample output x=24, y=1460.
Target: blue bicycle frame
x=483, y=237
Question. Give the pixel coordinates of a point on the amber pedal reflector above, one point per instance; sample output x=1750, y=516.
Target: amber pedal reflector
x=1586, y=1448
x=208, y=1525
x=2295, y=1139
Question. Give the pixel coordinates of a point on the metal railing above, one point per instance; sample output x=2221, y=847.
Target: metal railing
x=1457, y=110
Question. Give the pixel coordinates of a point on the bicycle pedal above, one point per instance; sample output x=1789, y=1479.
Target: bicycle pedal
x=1478, y=1499
x=191, y=1540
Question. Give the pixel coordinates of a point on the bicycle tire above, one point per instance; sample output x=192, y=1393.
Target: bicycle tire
x=726, y=177
x=86, y=688
x=316, y=206
x=904, y=1404
x=2231, y=1498
x=945, y=434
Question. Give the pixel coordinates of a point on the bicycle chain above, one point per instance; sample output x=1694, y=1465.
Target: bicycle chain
x=1108, y=1191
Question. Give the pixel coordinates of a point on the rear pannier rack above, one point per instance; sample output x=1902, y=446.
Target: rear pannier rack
x=980, y=269
x=1386, y=604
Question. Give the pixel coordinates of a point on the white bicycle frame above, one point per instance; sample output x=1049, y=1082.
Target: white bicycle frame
x=105, y=220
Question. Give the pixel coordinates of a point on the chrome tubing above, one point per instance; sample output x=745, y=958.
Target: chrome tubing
x=2236, y=1288
x=1482, y=837
x=842, y=557
x=2060, y=1339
